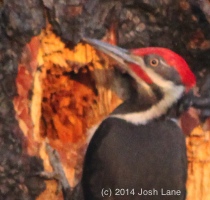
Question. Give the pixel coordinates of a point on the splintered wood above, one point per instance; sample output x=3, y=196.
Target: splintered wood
x=73, y=99
x=24, y=81
x=198, y=146
x=62, y=93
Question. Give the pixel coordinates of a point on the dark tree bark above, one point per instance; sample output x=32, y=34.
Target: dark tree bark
x=19, y=21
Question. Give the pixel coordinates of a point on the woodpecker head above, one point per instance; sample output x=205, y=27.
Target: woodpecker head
x=154, y=68
x=151, y=65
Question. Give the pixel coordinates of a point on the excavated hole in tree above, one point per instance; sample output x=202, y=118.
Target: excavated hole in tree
x=66, y=104
x=67, y=112
x=59, y=100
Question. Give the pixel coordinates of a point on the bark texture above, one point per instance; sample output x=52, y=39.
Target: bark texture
x=19, y=21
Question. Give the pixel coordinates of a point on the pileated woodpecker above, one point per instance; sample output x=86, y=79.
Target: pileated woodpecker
x=138, y=152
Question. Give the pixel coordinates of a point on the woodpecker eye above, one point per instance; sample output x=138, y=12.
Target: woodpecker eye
x=154, y=62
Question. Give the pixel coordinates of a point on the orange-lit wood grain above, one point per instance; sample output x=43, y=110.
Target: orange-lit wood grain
x=198, y=146
x=62, y=93
x=22, y=101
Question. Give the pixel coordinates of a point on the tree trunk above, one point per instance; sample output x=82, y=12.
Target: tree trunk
x=54, y=89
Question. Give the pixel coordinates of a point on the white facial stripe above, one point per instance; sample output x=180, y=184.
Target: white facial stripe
x=170, y=97
x=171, y=94
x=141, y=82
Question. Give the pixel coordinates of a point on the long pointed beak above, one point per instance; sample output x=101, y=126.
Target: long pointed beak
x=132, y=64
x=122, y=56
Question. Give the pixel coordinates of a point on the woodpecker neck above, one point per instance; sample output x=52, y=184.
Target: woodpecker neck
x=146, y=108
